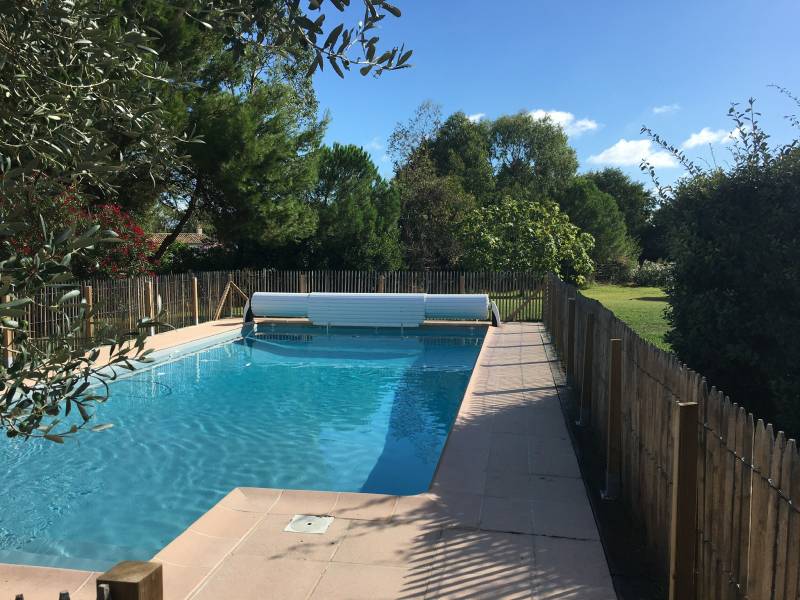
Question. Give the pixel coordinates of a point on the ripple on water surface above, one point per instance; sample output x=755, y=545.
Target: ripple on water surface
x=350, y=412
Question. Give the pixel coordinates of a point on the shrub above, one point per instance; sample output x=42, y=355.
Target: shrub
x=526, y=235
x=736, y=289
x=653, y=274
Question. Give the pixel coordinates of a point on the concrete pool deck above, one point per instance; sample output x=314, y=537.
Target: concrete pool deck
x=507, y=515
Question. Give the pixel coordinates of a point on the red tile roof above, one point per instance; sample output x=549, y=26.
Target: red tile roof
x=190, y=239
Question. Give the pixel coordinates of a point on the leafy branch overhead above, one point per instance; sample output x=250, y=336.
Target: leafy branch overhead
x=82, y=83
x=338, y=46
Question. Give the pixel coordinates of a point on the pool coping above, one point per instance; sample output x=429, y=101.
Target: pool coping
x=458, y=504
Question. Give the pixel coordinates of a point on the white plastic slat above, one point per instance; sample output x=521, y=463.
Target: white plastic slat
x=274, y=304
x=456, y=306
x=370, y=310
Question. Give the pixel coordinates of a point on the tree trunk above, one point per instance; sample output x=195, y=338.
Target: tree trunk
x=168, y=241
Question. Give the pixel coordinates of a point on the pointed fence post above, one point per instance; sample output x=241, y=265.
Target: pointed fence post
x=8, y=341
x=684, y=503
x=462, y=284
x=89, y=297
x=585, y=411
x=303, y=283
x=613, y=448
x=381, y=284
x=570, y=339
x=149, y=305
x=195, y=302
x=230, y=296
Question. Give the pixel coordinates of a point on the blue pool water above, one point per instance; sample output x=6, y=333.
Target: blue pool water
x=291, y=407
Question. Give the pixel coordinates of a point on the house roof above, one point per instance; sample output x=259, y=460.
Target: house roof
x=190, y=239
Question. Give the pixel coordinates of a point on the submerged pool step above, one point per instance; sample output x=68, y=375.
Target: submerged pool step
x=91, y=556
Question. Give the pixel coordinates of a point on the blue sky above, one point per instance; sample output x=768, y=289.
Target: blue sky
x=607, y=68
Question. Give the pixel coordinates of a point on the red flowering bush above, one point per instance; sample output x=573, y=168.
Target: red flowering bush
x=127, y=252
x=127, y=256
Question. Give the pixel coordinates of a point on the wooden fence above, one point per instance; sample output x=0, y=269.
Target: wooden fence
x=119, y=304
x=715, y=490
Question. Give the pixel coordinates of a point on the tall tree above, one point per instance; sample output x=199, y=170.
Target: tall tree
x=462, y=149
x=531, y=156
x=636, y=203
x=432, y=209
x=409, y=137
x=597, y=213
x=357, y=212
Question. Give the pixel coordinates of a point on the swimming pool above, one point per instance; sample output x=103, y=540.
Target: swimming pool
x=293, y=407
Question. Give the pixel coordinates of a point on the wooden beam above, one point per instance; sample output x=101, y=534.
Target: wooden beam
x=614, y=431
x=133, y=580
x=195, y=302
x=89, y=296
x=8, y=341
x=684, y=503
x=570, y=339
x=585, y=409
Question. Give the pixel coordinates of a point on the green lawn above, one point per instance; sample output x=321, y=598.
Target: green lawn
x=640, y=307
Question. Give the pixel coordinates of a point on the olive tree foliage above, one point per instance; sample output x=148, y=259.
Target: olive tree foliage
x=79, y=80
x=732, y=233
x=527, y=235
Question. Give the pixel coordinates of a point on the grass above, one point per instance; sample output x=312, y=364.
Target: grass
x=640, y=307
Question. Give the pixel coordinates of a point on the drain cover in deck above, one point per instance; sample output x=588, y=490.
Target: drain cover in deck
x=308, y=524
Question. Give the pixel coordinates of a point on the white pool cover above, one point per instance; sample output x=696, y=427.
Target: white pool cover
x=370, y=310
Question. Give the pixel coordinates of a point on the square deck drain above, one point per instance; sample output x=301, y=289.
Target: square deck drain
x=309, y=524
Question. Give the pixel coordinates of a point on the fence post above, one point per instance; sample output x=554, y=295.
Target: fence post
x=8, y=341
x=570, y=339
x=613, y=450
x=381, y=284
x=133, y=580
x=89, y=296
x=195, y=302
x=303, y=283
x=585, y=411
x=229, y=290
x=149, y=305
x=684, y=503
x=462, y=283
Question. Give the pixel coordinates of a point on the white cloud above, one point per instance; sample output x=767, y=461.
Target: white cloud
x=375, y=144
x=627, y=153
x=666, y=109
x=708, y=136
x=476, y=117
x=572, y=126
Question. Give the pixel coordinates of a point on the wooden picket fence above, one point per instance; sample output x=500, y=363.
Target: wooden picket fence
x=715, y=490
x=187, y=298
